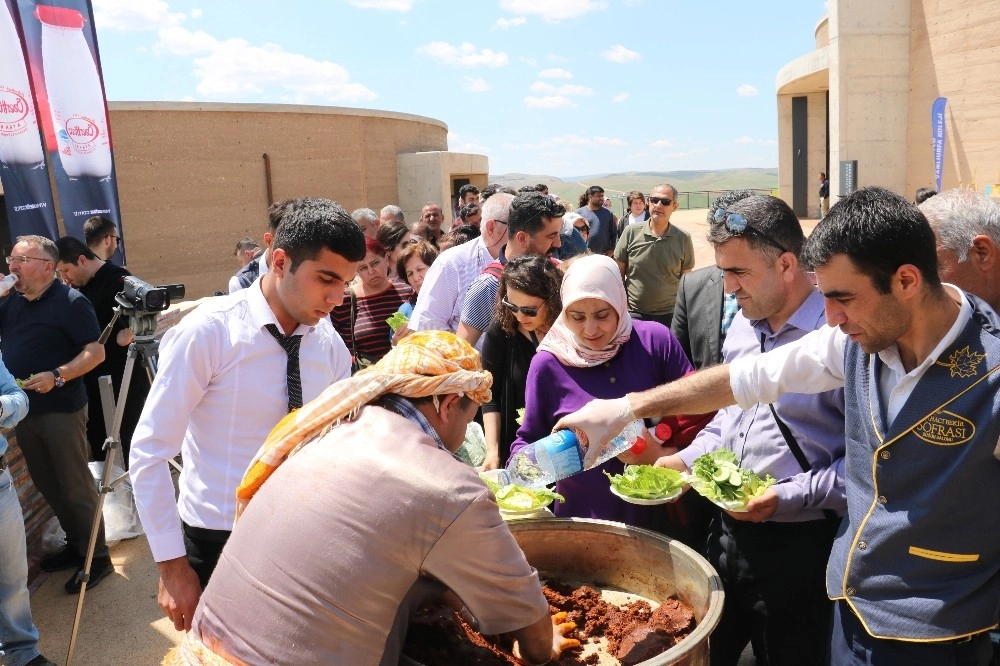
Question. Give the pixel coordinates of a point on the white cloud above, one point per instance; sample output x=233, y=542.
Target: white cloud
x=619, y=98
x=530, y=62
x=549, y=102
x=662, y=143
x=565, y=89
x=383, y=5
x=552, y=10
x=752, y=140
x=558, y=59
x=196, y=13
x=135, y=15
x=461, y=144
x=234, y=68
x=474, y=84
x=554, y=73
x=746, y=90
x=464, y=55
x=504, y=23
x=621, y=55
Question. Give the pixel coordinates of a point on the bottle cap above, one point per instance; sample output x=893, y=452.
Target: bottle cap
x=639, y=446
x=663, y=431
x=59, y=17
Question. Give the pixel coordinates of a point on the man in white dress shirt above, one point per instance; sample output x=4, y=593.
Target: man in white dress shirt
x=225, y=380
x=439, y=305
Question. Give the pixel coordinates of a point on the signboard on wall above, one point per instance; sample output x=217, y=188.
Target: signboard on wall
x=848, y=177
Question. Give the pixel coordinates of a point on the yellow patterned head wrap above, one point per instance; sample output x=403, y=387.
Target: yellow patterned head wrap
x=423, y=364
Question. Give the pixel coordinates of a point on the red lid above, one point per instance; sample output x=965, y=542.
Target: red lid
x=61, y=17
x=639, y=446
x=663, y=431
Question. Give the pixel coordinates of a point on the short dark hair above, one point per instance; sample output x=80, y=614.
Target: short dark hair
x=771, y=217
x=468, y=210
x=427, y=253
x=463, y=233
x=391, y=234
x=97, y=228
x=633, y=195
x=823, y=173
x=311, y=224
x=923, y=194
x=541, y=187
x=275, y=213
x=246, y=244
x=534, y=275
x=725, y=200
x=71, y=249
x=527, y=211
x=466, y=189
x=527, y=188
x=879, y=231
x=594, y=189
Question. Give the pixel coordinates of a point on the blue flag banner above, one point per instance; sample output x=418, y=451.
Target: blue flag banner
x=27, y=193
x=938, y=135
x=64, y=63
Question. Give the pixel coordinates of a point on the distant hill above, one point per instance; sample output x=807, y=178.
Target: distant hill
x=701, y=186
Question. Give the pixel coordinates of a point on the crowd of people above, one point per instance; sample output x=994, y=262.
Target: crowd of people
x=321, y=403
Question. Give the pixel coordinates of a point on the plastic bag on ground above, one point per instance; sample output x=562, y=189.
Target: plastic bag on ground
x=121, y=518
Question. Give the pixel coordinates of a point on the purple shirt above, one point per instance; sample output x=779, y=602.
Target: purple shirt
x=815, y=420
x=651, y=357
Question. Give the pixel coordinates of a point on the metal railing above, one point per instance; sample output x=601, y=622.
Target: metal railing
x=686, y=200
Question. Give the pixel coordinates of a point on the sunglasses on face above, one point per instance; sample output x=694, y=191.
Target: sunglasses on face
x=583, y=228
x=661, y=200
x=737, y=225
x=527, y=312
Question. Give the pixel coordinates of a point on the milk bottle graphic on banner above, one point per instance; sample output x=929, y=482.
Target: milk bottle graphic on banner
x=20, y=142
x=75, y=94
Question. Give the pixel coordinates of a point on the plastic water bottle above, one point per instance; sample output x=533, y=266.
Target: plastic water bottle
x=7, y=283
x=558, y=456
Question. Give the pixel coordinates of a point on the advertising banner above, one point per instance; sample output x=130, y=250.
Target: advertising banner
x=938, y=134
x=25, y=179
x=64, y=64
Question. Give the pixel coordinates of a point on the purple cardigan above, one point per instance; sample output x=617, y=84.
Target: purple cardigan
x=651, y=357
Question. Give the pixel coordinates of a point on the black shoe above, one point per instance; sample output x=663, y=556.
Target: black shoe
x=40, y=660
x=98, y=570
x=64, y=558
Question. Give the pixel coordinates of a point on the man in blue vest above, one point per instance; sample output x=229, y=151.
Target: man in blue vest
x=915, y=568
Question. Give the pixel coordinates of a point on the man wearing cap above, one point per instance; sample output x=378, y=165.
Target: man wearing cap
x=371, y=517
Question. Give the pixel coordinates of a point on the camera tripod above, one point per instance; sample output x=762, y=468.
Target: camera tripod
x=144, y=348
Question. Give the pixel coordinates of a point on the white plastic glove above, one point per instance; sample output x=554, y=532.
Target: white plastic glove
x=596, y=423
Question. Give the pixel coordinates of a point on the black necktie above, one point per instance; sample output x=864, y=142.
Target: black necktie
x=290, y=343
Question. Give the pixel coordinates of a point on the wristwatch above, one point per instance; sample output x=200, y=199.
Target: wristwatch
x=60, y=380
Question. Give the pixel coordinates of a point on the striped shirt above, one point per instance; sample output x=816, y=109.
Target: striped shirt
x=371, y=332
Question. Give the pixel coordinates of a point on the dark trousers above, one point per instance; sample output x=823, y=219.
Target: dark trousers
x=203, y=548
x=55, y=449
x=660, y=319
x=851, y=645
x=774, y=579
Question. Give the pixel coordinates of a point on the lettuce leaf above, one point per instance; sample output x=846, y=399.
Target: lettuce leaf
x=718, y=477
x=647, y=482
x=397, y=320
x=518, y=498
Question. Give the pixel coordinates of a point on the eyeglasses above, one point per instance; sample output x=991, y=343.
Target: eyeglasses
x=21, y=259
x=582, y=228
x=527, y=312
x=661, y=200
x=116, y=239
x=737, y=225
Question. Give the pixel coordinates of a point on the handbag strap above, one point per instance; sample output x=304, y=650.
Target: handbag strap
x=793, y=445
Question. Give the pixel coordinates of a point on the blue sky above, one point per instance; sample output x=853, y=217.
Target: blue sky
x=555, y=87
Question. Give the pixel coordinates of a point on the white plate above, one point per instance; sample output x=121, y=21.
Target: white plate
x=735, y=507
x=649, y=502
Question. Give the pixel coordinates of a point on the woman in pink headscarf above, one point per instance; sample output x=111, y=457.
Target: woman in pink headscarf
x=595, y=350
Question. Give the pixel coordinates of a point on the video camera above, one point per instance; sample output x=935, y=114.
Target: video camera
x=141, y=296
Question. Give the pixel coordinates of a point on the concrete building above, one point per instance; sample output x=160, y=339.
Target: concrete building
x=866, y=92
x=195, y=178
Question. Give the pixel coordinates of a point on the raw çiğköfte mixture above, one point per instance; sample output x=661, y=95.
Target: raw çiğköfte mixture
x=632, y=634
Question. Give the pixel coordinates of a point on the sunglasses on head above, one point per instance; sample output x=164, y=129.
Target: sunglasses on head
x=527, y=312
x=661, y=200
x=737, y=225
